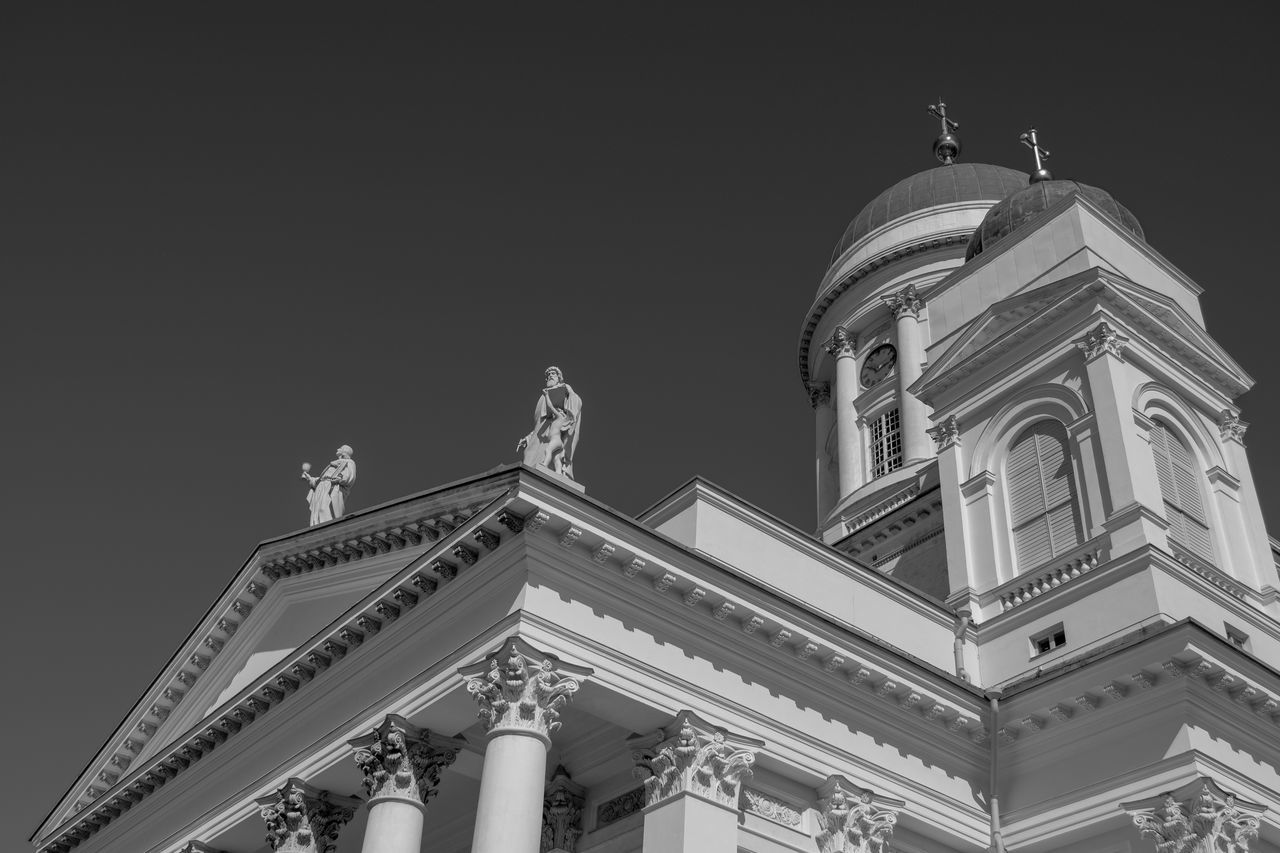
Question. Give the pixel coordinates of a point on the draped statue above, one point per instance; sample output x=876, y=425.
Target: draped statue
x=328, y=495
x=557, y=424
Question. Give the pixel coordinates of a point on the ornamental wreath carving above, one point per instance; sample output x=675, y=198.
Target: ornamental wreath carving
x=690, y=754
x=520, y=687
x=302, y=819
x=853, y=820
x=400, y=760
x=562, y=814
x=1197, y=818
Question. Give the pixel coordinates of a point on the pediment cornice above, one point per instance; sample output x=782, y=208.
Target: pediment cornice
x=1037, y=315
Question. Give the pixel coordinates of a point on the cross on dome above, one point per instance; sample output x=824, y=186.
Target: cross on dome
x=947, y=146
x=1041, y=154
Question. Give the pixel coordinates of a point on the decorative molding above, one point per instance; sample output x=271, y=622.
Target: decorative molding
x=1104, y=339
x=303, y=819
x=562, y=813
x=570, y=537
x=842, y=343
x=750, y=626
x=635, y=567
x=602, y=554
x=690, y=754
x=511, y=521
x=1230, y=427
x=819, y=394
x=723, y=611
x=852, y=819
x=946, y=433
x=771, y=808
x=614, y=810
x=533, y=523
x=400, y=760
x=694, y=596
x=199, y=847
x=1198, y=818
x=904, y=303
x=522, y=688
x=664, y=583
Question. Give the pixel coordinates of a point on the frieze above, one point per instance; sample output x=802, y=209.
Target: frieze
x=771, y=808
x=626, y=803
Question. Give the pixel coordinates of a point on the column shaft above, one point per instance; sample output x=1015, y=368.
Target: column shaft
x=509, y=813
x=915, y=417
x=395, y=826
x=843, y=395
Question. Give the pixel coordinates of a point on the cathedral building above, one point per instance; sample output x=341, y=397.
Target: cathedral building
x=1039, y=611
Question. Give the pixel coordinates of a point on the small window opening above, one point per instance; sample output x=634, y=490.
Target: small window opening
x=1047, y=641
x=1237, y=638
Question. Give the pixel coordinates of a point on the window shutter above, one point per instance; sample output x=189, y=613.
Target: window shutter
x=1180, y=488
x=1042, y=499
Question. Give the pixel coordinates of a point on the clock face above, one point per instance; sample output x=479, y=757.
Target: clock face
x=877, y=364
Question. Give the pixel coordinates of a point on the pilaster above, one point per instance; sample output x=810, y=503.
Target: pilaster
x=562, y=813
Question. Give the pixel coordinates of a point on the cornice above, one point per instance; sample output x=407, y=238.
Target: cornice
x=461, y=549
x=939, y=240
x=807, y=645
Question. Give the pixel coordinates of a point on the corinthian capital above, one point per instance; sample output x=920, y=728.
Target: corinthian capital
x=690, y=754
x=1197, y=818
x=842, y=343
x=945, y=433
x=1230, y=427
x=402, y=761
x=904, y=302
x=521, y=688
x=562, y=814
x=853, y=820
x=302, y=819
x=1104, y=339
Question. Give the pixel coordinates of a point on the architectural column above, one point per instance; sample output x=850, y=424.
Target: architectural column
x=1198, y=818
x=693, y=774
x=520, y=691
x=951, y=476
x=824, y=418
x=1232, y=430
x=905, y=307
x=841, y=347
x=401, y=764
x=854, y=820
x=1137, y=514
x=303, y=819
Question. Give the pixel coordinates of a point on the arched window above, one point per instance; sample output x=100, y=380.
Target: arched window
x=1180, y=488
x=1044, y=511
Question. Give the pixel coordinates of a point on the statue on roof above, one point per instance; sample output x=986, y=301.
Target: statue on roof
x=328, y=495
x=557, y=424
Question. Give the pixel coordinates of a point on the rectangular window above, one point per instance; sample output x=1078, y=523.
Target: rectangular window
x=1047, y=641
x=886, y=443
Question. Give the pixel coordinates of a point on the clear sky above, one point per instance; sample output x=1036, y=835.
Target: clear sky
x=235, y=236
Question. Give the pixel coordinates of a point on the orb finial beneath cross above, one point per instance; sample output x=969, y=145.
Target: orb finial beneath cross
x=1041, y=154
x=947, y=146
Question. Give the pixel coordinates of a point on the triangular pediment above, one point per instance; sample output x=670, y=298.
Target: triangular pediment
x=1039, y=313
x=289, y=589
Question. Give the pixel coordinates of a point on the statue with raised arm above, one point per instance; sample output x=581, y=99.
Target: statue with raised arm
x=557, y=424
x=328, y=495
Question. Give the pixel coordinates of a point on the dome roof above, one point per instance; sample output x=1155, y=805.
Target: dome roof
x=940, y=185
x=1012, y=212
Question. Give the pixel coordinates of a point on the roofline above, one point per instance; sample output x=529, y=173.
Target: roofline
x=499, y=471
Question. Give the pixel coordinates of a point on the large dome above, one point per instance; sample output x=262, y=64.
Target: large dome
x=1012, y=212
x=940, y=185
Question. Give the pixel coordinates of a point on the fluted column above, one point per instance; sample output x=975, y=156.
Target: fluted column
x=401, y=764
x=841, y=347
x=521, y=691
x=1197, y=818
x=303, y=819
x=693, y=772
x=854, y=820
x=905, y=307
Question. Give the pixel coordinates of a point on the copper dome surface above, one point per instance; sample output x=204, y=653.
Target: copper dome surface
x=940, y=185
x=1011, y=213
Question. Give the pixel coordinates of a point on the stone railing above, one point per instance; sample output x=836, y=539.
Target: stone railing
x=1062, y=569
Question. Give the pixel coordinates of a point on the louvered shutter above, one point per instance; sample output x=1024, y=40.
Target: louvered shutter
x=1042, y=498
x=1180, y=488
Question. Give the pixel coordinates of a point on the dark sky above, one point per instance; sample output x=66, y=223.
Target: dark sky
x=233, y=237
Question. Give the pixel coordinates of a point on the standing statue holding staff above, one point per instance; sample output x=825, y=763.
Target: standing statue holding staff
x=328, y=495
x=557, y=423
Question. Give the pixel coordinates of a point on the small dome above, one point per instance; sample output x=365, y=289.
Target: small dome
x=940, y=185
x=1011, y=213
